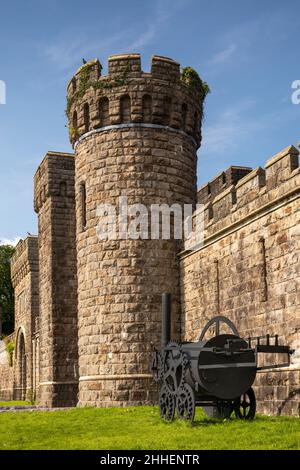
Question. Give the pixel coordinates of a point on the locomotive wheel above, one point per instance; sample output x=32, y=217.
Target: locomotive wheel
x=157, y=367
x=216, y=322
x=225, y=409
x=186, y=403
x=245, y=406
x=166, y=404
x=174, y=367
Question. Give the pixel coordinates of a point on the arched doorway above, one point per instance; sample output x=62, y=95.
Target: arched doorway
x=21, y=367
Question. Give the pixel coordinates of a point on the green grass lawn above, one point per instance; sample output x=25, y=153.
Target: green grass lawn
x=141, y=428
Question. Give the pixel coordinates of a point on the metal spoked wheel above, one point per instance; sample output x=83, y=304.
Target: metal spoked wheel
x=166, y=404
x=225, y=409
x=174, y=367
x=245, y=406
x=157, y=367
x=186, y=403
x=216, y=322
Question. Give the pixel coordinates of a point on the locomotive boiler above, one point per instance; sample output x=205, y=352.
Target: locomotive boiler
x=216, y=373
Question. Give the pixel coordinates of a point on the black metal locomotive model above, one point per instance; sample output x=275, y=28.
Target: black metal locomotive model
x=216, y=373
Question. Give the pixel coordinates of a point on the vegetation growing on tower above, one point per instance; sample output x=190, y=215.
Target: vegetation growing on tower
x=191, y=78
x=85, y=83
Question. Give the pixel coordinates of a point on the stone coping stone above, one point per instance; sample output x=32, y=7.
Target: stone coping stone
x=4, y=409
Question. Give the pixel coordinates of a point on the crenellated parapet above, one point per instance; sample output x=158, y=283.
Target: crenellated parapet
x=54, y=177
x=221, y=182
x=25, y=259
x=231, y=198
x=127, y=96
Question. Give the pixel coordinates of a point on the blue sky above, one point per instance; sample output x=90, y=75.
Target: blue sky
x=246, y=51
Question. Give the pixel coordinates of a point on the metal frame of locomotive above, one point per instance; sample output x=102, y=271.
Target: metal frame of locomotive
x=216, y=374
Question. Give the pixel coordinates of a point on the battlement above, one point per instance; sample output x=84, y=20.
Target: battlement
x=221, y=182
x=259, y=189
x=127, y=95
x=54, y=177
x=124, y=64
x=24, y=259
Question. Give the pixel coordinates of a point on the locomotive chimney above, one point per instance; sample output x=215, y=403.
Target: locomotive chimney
x=166, y=319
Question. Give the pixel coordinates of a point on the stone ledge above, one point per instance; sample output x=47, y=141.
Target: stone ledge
x=223, y=194
x=289, y=150
x=91, y=378
x=257, y=172
x=132, y=125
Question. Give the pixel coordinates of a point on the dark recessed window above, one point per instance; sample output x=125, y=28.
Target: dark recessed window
x=167, y=110
x=83, y=205
x=75, y=120
x=104, y=112
x=183, y=116
x=86, y=117
x=125, y=109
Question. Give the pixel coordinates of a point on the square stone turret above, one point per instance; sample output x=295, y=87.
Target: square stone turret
x=54, y=202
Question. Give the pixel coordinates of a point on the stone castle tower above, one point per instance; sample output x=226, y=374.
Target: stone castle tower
x=136, y=135
x=88, y=310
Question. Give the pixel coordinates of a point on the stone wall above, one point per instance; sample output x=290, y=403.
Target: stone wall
x=24, y=270
x=248, y=269
x=133, y=142
x=6, y=375
x=54, y=202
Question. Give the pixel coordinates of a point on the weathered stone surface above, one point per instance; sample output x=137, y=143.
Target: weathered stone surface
x=25, y=270
x=248, y=270
x=97, y=302
x=120, y=281
x=55, y=204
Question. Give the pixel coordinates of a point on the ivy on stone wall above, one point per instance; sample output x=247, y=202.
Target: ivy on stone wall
x=10, y=347
x=6, y=290
x=85, y=83
x=191, y=78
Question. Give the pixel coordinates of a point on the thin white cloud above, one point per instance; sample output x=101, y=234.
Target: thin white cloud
x=224, y=55
x=143, y=40
x=163, y=12
x=8, y=241
x=237, y=123
x=67, y=51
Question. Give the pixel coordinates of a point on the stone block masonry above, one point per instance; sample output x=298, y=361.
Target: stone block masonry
x=54, y=202
x=6, y=375
x=133, y=141
x=88, y=310
x=248, y=270
x=25, y=271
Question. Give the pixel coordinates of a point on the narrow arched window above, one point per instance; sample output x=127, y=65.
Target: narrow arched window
x=125, y=109
x=75, y=120
x=147, y=108
x=103, y=107
x=196, y=122
x=83, y=205
x=183, y=116
x=167, y=110
x=86, y=117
